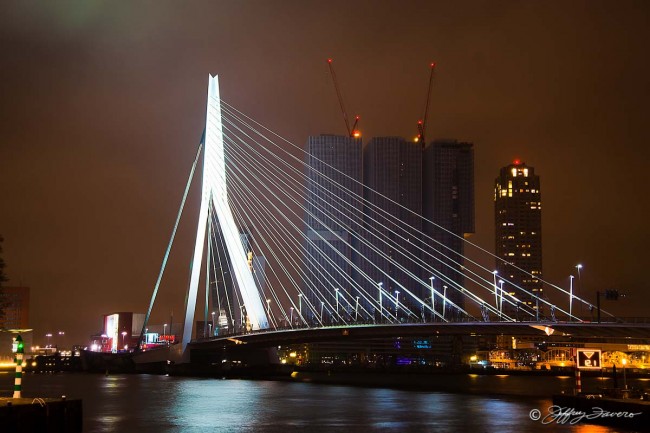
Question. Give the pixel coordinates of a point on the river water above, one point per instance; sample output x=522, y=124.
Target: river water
x=162, y=404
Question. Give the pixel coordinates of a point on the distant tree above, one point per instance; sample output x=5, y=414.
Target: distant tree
x=3, y=278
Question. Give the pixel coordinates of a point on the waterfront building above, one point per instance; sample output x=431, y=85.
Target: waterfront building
x=448, y=207
x=332, y=220
x=393, y=175
x=518, y=234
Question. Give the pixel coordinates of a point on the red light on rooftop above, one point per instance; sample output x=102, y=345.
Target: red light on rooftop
x=516, y=162
x=329, y=60
x=433, y=64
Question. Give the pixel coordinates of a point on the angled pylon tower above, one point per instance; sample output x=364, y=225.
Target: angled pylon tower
x=214, y=200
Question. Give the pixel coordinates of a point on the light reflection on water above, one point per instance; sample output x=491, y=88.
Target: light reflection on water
x=161, y=404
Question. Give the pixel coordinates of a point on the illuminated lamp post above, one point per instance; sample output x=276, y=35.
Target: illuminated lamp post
x=212, y=322
x=579, y=286
x=433, y=300
x=381, y=308
x=291, y=317
x=571, y=298
x=123, y=338
x=356, y=310
x=496, y=297
x=164, y=329
x=336, y=295
x=444, y=300
x=624, y=361
x=300, y=304
x=396, y=303
x=501, y=299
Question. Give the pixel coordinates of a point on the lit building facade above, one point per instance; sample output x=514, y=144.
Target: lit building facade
x=449, y=203
x=334, y=166
x=393, y=175
x=518, y=234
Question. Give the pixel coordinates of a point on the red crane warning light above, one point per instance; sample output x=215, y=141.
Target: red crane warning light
x=352, y=132
x=422, y=124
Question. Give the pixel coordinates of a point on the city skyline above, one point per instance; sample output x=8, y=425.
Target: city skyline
x=102, y=113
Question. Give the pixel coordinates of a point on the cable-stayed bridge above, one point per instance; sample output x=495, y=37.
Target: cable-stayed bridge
x=291, y=247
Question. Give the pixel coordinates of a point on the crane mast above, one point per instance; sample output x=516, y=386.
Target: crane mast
x=422, y=123
x=353, y=131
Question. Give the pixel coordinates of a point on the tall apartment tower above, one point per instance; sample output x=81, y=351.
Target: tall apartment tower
x=518, y=234
x=333, y=219
x=449, y=203
x=393, y=175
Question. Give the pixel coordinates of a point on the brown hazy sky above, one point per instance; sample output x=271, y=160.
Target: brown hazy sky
x=102, y=105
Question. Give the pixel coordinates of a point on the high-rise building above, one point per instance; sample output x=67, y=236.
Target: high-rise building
x=449, y=204
x=393, y=175
x=518, y=235
x=333, y=218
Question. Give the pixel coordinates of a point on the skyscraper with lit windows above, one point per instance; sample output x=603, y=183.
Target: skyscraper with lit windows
x=518, y=237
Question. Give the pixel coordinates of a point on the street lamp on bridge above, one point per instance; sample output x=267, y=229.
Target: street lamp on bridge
x=433, y=300
x=501, y=299
x=571, y=277
x=396, y=303
x=300, y=304
x=381, y=308
x=356, y=310
x=336, y=295
x=444, y=300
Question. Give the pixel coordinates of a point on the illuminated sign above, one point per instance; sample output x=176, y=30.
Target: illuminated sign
x=589, y=359
x=421, y=344
x=642, y=347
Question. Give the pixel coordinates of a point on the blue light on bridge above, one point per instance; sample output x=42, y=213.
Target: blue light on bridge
x=421, y=344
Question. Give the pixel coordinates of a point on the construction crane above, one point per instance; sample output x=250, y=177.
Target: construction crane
x=352, y=132
x=422, y=123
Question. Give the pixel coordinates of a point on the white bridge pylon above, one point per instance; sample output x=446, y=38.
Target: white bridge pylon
x=214, y=198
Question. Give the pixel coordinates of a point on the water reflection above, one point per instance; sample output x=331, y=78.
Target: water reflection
x=143, y=404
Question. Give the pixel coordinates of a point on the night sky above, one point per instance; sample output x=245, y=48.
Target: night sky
x=102, y=106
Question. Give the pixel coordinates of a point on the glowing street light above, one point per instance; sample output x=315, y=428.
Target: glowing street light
x=213, y=313
x=336, y=294
x=501, y=299
x=123, y=338
x=433, y=299
x=356, y=310
x=444, y=300
x=381, y=308
x=571, y=298
x=396, y=303
x=164, y=329
x=624, y=361
x=496, y=298
x=579, y=287
x=291, y=317
x=300, y=304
